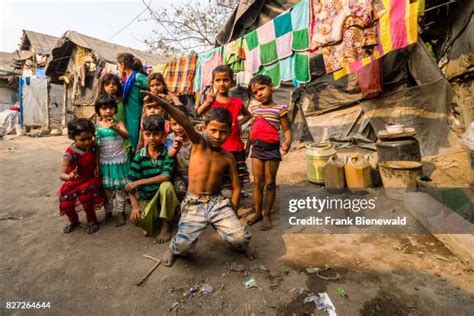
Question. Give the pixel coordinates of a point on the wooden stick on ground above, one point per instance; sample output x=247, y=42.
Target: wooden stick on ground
x=158, y=262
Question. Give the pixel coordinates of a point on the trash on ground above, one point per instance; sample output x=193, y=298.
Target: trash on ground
x=175, y=306
x=310, y=299
x=341, y=293
x=10, y=217
x=249, y=282
x=206, y=289
x=441, y=258
x=334, y=277
x=322, y=302
x=312, y=270
x=263, y=268
x=237, y=267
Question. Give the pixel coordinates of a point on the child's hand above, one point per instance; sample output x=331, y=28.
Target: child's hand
x=131, y=186
x=285, y=147
x=177, y=142
x=200, y=126
x=166, y=97
x=107, y=122
x=135, y=215
x=151, y=97
x=73, y=175
x=210, y=97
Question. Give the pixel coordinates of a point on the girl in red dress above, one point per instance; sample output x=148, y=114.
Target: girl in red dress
x=80, y=171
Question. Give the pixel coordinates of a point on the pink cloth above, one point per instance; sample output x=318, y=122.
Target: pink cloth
x=208, y=67
x=398, y=30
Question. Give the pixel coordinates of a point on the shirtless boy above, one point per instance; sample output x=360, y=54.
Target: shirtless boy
x=204, y=204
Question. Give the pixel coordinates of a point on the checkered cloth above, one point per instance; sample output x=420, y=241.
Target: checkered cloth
x=179, y=75
x=278, y=38
x=278, y=48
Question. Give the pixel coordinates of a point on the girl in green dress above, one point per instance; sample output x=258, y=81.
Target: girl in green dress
x=113, y=160
x=110, y=84
x=132, y=69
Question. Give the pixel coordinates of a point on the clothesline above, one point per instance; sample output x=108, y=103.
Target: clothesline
x=349, y=34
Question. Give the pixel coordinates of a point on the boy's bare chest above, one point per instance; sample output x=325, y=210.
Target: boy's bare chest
x=206, y=161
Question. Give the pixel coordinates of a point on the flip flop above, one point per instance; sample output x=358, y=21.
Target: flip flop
x=92, y=228
x=71, y=227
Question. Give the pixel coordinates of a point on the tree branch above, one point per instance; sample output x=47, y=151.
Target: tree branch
x=187, y=27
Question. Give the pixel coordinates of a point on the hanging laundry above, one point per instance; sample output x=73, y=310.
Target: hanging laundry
x=356, y=44
x=109, y=69
x=278, y=38
x=243, y=78
x=205, y=64
x=41, y=73
x=329, y=19
x=180, y=75
x=369, y=78
x=147, y=69
x=397, y=29
x=300, y=24
x=293, y=68
x=278, y=48
x=233, y=55
x=161, y=68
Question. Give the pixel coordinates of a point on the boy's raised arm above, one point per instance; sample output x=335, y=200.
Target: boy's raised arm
x=178, y=116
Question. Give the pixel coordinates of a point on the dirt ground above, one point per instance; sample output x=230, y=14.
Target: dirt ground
x=382, y=274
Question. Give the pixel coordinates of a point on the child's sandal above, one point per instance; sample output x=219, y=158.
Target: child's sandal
x=92, y=228
x=71, y=227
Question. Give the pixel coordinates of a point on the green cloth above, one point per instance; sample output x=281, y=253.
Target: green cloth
x=134, y=108
x=280, y=37
x=295, y=67
x=120, y=115
x=143, y=167
x=162, y=205
x=233, y=55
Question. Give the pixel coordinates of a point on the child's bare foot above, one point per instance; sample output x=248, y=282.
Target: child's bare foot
x=120, y=220
x=168, y=258
x=165, y=233
x=107, y=217
x=255, y=219
x=266, y=223
x=251, y=252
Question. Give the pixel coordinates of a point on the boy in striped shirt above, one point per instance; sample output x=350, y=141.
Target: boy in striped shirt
x=152, y=195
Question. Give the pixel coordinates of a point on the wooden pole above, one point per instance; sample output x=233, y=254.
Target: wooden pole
x=63, y=121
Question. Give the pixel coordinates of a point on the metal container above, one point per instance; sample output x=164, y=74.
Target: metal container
x=401, y=149
x=400, y=174
x=317, y=156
